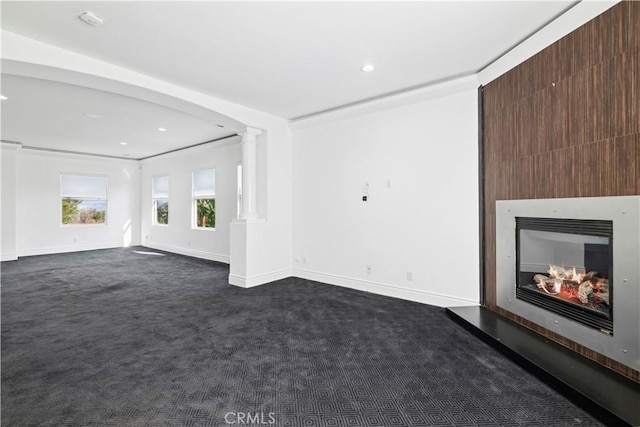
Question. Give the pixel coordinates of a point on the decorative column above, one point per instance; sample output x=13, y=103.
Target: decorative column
x=249, y=181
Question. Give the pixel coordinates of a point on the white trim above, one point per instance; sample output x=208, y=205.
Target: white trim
x=70, y=248
x=189, y=252
x=248, y=221
x=34, y=151
x=9, y=256
x=213, y=144
x=412, y=96
x=10, y=145
x=261, y=279
x=431, y=298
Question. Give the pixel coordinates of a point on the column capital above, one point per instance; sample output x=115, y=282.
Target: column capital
x=249, y=134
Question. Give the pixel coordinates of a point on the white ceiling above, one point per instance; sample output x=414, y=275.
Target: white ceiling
x=291, y=59
x=52, y=115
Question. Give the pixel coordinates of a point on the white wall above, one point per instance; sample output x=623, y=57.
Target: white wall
x=38, y=224
x=8, y=249
x=179, y=236
x=421, y=163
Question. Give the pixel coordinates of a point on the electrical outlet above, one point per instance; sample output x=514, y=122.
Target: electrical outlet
x=368, y=270
x=409, y=275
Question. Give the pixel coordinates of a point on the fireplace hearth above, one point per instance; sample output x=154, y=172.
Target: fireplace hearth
x=566, y=266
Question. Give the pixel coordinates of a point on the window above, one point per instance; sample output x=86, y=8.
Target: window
x=160, y=198
x=204, y=202
x=84, y=199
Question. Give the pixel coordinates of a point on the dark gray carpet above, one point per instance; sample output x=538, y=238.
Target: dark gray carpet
x=113, y=337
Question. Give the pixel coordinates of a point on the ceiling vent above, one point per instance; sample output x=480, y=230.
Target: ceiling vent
x=91, y=18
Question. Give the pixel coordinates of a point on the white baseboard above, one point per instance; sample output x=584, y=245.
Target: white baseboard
x=69, y=248
x=189, y=252
x=9, y=256
x=431, y=298
x=261, y=279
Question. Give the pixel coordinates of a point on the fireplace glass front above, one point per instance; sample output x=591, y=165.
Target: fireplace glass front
x=566, y=266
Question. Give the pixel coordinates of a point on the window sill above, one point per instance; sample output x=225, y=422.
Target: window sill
x=104, y=224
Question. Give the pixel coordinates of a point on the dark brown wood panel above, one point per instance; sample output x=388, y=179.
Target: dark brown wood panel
x=634, y=24
x=506, y=128
x=611, y=33
x=632, y=88
x=541, y=121
x=565, y=173
x=612, y=98
x=489, y=288
x=537, y=73
x=621, y=176
x=573, y=52
x=589, y=157
x=522, y=112
x=565, y=123
x=492, y=95
x=569, y=112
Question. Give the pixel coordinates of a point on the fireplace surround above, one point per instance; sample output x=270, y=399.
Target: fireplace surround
x=565, y=264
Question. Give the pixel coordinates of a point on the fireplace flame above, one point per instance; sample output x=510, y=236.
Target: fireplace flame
x=580, y=288
x=562, y=273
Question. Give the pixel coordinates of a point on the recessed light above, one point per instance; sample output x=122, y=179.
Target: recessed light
x=4, y=98
x=93, y=116
x=220, y=126
x=162, y=130
x=91, y=18
x=368, y=68
x=123, y=143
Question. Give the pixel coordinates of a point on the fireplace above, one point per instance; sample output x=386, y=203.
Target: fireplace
x=559, y=263
x=566, y=266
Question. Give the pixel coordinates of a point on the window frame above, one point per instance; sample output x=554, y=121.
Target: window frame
x=106, y=199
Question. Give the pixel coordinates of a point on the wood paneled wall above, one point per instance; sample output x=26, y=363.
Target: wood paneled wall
x=565, y=123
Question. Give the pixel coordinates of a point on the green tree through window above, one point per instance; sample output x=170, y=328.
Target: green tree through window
x=206, y=212
x=162, y=212
x=70, y=210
